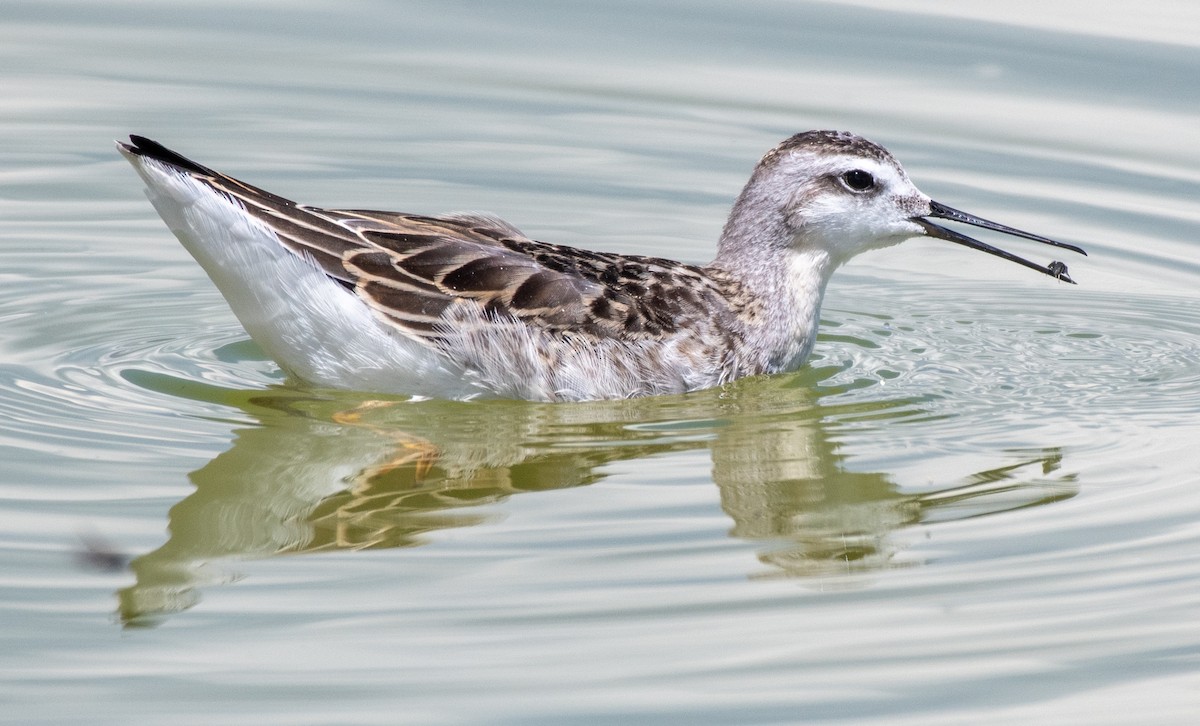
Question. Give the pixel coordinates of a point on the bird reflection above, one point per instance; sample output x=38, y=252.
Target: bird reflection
x=327, y=473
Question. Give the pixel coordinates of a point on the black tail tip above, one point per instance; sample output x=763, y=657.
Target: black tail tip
x=151, y=149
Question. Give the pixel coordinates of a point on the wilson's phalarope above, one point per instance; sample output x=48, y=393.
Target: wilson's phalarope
x=465, y=305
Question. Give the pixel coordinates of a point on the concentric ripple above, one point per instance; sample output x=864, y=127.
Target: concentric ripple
x=947, y=351
x=1036, y=351
x=119, y=397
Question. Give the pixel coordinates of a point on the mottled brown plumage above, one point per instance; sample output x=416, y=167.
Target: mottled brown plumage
x=412, y=268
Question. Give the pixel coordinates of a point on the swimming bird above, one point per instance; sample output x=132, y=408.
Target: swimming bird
x=465, y=306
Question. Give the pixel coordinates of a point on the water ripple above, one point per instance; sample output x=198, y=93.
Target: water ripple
x=1039, y=352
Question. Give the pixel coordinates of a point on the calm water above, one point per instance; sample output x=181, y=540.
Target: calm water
x=980, y=503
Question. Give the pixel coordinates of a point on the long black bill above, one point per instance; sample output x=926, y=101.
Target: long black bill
x=1055, y=269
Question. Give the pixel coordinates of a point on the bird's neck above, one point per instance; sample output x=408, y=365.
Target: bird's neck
x=784, y=281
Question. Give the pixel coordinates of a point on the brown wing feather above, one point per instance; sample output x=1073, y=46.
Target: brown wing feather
x=436, y=272
x=555, y=288
x=412, y=269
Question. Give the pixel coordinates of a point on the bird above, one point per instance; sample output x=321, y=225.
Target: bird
x=465, y=306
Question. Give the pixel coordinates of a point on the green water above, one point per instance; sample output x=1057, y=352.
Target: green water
x=977, y=505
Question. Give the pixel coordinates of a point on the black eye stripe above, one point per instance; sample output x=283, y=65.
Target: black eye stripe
x=858, y=180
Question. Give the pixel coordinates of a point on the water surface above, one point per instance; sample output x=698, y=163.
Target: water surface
x=977, y=504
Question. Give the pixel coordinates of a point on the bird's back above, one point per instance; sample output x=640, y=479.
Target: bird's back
x=465, y=297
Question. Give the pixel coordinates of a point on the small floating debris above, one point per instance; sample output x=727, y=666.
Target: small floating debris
x=1059, y=271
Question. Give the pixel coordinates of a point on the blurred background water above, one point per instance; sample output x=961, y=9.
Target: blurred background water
x=977, y=504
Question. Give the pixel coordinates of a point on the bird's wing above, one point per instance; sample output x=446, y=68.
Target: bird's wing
x=412, y=269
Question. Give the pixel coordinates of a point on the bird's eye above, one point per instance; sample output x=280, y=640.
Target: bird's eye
x=858, y=180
